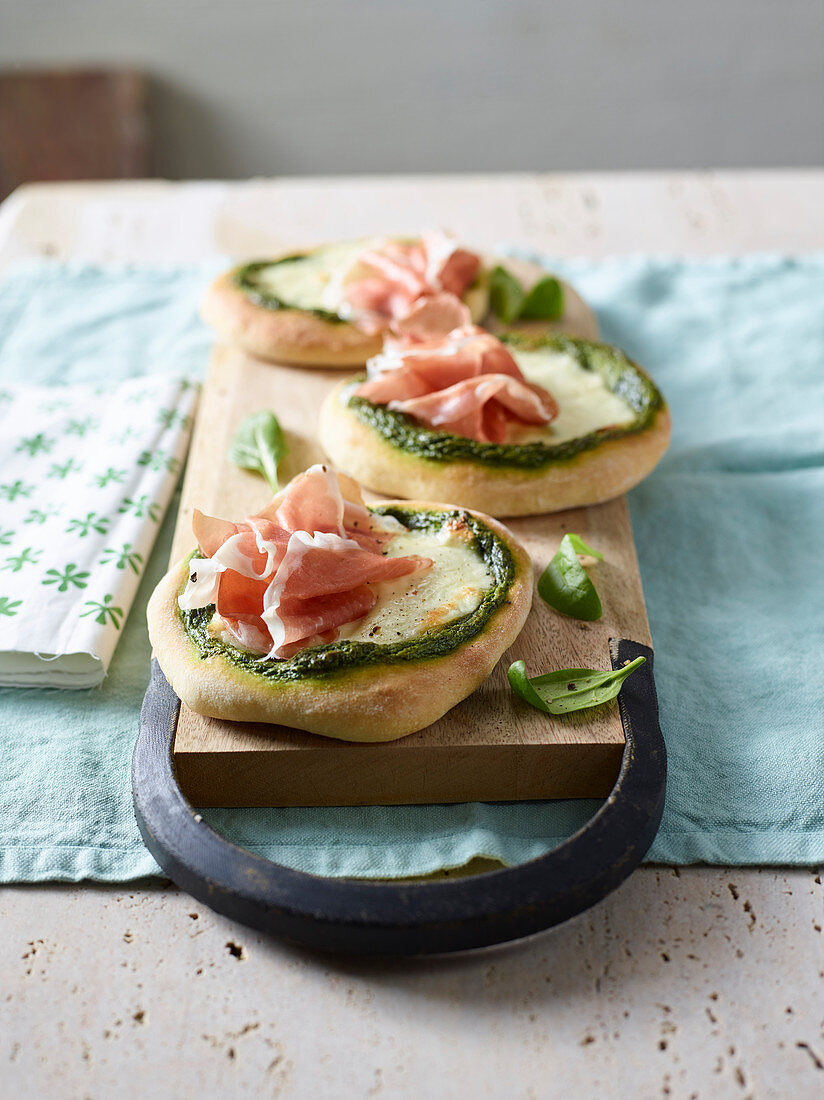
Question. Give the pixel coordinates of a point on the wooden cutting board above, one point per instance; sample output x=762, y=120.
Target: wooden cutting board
x=491, y=747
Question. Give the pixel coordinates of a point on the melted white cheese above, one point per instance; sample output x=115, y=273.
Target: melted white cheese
x=316, y=281
x=407, y=607
x=584, y=401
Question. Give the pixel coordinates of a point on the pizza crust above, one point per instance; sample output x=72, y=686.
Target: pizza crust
x=377, y=703
x=298, y=337
x=590, y=477
x=284, y=335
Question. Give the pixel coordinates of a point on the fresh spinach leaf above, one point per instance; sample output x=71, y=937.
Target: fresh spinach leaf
x=564, y=584
x=580, y=547
x=510, y=302
x=506, y=295
x=545, y=302
x=259, y=444
x=569, y=689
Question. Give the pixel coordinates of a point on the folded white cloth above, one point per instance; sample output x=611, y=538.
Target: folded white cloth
x=86, y=473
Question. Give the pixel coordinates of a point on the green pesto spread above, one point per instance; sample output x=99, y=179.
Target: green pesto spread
x=247, y=279
x=338, y=658
x=619, y=374
x=313, y=282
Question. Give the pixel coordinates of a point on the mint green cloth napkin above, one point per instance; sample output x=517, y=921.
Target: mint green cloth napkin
x=730, y=534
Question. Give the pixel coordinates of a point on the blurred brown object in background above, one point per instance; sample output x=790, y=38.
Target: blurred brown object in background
x=72, y=125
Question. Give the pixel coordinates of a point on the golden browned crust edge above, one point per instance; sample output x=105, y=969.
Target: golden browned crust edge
x=591, y=477
x=371, y=704
x=283, y=335
x=302, y=339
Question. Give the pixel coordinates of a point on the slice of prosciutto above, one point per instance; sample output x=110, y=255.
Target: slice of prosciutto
x=432, y=316
x=413, y=288
x=467, y=384
x=292, y=575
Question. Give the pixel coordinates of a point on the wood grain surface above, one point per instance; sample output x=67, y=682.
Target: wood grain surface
x=72, y=124
x=491, y=746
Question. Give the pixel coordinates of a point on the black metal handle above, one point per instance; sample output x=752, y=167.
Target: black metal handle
x=389, y=918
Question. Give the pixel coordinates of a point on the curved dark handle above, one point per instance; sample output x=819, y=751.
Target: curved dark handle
x=393, y=918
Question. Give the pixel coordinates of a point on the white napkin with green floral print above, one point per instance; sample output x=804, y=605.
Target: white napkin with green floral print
x=86, y=473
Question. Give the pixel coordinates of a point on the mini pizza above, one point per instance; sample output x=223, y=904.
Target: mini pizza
x=515, y=426
x=332, y=306
x=358, y=623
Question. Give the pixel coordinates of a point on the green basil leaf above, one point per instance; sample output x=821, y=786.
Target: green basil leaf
x=506, y=295
x=580, y=547
x=569, y=689
x=259, y=444
x=545, y=302
x=564, y=584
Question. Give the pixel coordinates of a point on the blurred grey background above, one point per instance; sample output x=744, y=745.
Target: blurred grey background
x=263, y=87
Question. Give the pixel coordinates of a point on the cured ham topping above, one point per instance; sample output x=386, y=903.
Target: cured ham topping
x=431, y=316
x=414, y=289
x=296, y=572
x=466, y=384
